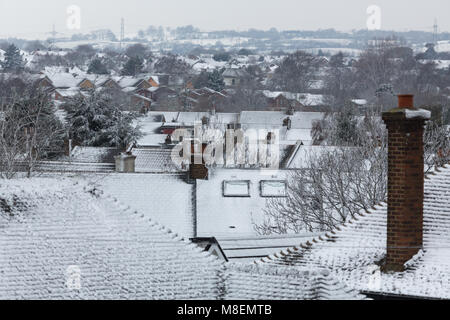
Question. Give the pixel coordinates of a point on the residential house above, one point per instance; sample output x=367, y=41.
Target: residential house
x=204, y=99
x=293, y=127
x=279, y=100
x=234, y=77
x=154, y=81
x=86, y=84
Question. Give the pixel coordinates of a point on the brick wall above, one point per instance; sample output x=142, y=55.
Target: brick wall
x=405, y=188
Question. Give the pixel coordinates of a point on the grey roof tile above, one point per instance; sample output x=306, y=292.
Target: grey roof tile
x=352, y=252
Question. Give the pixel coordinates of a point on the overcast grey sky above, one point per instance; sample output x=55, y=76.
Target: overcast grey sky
x=29, y=17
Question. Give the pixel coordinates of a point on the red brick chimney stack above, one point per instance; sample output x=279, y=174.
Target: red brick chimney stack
x=197, y=167
x=405, y=182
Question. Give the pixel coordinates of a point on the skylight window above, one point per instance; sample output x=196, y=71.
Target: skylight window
x=239, y=188
x=273, y=188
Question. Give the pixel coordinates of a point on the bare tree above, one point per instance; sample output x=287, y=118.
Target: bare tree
x=173, y=65
x=437, y=145
x=295, y=73
x=29, y=132
x=334, y=187
x=334, y=184
x=346, y=174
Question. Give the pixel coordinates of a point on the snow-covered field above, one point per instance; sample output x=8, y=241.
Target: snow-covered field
x=443, y=46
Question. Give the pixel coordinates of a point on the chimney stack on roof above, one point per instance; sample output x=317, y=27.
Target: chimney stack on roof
x=125, y=162
x=197, y=166
x=405, y=182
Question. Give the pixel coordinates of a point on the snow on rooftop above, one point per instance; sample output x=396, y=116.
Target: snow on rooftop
x=249, y=249
x=419, y=113
x=306, y=99
x=353, y=251
x=268, y=283
x=94, y=154
x=62, y=239
x=60, y=78
x=151, y=140
x=166, y=198
x=62, y=232
x=222, y=214
x=155, y=160
x=360, y=102
x=274, y=119
x=295, y=135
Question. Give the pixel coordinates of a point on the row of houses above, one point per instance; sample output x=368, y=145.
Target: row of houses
x=136, y=90
x=293, y=127
x=146, y=92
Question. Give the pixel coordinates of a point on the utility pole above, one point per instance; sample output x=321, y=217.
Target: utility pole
x=122, y=32
x=53, y=35
x=435, y=32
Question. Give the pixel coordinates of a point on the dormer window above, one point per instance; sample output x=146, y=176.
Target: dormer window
x=273, y=189
x=236, y=189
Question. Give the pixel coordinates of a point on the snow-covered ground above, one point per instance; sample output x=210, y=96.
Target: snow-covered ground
x=443, y=46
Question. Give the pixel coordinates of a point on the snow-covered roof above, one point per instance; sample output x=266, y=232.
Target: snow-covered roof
x=353, y=251
x=66, y=166
x=68, y=93
x=129, y=89
x=306, y=99
x=248, y=249
x=311, y=100
x=250, y=282
x=65, y=239
x=166, y=198
x=60, y=241
x=274, y=119
x=128, y=81
x=94, y=154
x=155, y=78
x=63, y=79
x=152, y=139
x=208, y=91
x=234, y=73
x=141, y=97
x=150, y=125
x=191, y=118
x=295, y=135
x=232, y=215
x=360, y=102
x=159, y=116
x=156, y=160
x=440, y=64
x=317, y=84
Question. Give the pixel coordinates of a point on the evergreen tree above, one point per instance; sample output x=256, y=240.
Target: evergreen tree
x=13, y=61
x=215, y=81
x=337, y=60
x=347, y=127
x=133, y=67
x=212, y=80
x=97, y=121
x=97, y=67
x=222, y=56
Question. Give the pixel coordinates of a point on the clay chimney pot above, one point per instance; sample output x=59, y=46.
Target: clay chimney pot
x=406, y=101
